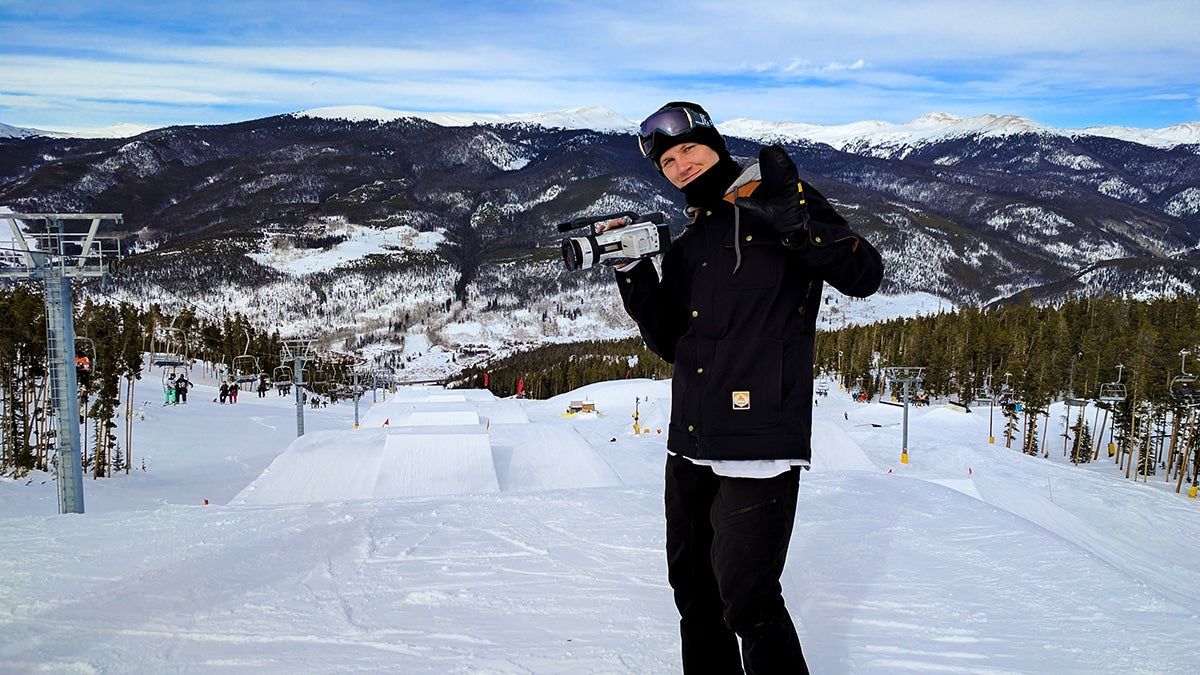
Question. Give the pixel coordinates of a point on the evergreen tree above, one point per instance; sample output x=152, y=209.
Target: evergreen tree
x=1081, y=449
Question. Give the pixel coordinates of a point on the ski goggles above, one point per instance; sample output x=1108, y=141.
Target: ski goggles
x=670, y=122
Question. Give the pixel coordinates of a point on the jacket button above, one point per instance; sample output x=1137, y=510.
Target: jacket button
x=699, y=370
x=695, y=313
x=749, y=237
x=817, y=239
x=691, y=428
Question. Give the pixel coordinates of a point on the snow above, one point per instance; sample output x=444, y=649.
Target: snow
x=358, y=243
x=122, y=130
x=456, y=532
x=936, y=127
x=595, y=118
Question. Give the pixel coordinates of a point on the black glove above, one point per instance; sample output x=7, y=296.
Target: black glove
x=779, y=200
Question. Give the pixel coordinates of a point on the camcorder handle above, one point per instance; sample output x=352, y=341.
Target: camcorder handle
x=584, y=221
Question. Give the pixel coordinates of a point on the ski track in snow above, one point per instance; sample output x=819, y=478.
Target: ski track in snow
x=972, y=558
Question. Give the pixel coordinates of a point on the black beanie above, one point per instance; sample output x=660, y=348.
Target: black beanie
x=703, y=135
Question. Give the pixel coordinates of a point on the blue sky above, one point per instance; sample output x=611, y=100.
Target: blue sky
x=83, y=64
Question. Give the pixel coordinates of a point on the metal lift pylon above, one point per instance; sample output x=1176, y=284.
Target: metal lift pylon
x=55, y=254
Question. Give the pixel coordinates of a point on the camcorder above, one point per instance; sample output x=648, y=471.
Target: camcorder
x=641, y=236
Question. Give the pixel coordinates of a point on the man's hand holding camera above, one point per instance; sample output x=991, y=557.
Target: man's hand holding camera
x=617, y=223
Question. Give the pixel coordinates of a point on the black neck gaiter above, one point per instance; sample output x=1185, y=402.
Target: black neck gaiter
x=708, y=189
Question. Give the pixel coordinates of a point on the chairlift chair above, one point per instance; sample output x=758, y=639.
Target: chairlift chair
x=1183, y=389
x=382, y=378
x=1113, y=392
x=1183, y=386
x=168, y=347
x=85, y=358
x=245, y=365
x=316, y=379
x=320, y=379
x=245, y=368
x=85, y=354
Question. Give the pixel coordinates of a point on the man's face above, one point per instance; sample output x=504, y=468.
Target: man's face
x=682, y=163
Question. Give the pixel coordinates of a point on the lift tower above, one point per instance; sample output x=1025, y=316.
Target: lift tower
x=906, y=375
x=56, y=248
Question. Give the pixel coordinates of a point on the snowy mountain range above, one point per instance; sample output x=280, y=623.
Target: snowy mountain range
x=871, y=133
x=436, y=230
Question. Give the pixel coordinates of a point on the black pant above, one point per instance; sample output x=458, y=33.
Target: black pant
x=727, y=541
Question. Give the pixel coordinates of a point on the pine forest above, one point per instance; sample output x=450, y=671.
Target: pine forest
x=1128, y=362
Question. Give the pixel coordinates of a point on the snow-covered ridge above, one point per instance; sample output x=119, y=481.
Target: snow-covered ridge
x=869, y=133
x=940, y=126
x=592, y=117
x=924, y=129
x=114, y=131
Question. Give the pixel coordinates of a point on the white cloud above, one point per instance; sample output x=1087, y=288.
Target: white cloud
x=837, y=61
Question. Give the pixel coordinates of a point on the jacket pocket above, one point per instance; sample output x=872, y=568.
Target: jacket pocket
x=744, y=385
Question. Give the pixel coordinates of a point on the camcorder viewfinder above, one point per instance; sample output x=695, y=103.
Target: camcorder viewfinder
x=641, y=236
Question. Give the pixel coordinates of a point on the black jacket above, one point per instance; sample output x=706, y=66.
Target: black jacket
x=742, y=341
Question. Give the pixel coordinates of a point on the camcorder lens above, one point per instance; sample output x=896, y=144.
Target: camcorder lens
x=571, y=254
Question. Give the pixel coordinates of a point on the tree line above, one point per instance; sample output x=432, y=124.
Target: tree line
x=550, y=370
x=112, y=341
x=1026, y=357
x=1021, y=356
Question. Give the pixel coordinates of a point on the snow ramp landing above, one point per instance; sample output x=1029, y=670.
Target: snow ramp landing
x=431, y=446
x=414, y=461
x=436, y=461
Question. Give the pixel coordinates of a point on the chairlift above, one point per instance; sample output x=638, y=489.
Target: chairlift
x=85, y=356
x=316, y=378
x=320, y=379
x=172, y=372
x=245, y=366
x=383, y=377
x=281, y=374
x=168, y=346
x=1183, y=386
x=1113, y=392
x=85, y=353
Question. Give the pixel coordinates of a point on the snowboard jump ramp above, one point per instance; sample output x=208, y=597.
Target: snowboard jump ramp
x=424, y=444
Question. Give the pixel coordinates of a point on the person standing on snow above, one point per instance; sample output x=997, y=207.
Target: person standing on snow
x=735, y=311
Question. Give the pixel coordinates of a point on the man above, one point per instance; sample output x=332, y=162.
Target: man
x=181, y=388
x=735, y=311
